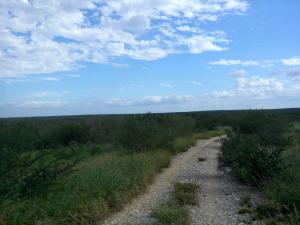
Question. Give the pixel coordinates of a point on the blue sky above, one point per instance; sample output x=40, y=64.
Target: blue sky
x=117, y=56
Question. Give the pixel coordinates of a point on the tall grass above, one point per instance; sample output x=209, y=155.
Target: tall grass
x=100, y=186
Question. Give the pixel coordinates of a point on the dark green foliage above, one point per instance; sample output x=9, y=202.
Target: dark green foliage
x=99, y=186
x=29, y=173
x=147, y=132
x=250, y=159
x=253, y=149
x=263, y=149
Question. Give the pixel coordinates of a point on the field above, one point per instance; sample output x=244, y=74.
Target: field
x=81, y=169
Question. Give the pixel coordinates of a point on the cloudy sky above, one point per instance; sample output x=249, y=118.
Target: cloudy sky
x=60, y=57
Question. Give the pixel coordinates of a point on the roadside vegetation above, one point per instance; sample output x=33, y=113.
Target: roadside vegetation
x=263, y=149
x=174, y=211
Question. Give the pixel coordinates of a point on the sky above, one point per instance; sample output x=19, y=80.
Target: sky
x=134, y=56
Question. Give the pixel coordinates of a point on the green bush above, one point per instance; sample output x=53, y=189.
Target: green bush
x=29, y=173
x=251, y=160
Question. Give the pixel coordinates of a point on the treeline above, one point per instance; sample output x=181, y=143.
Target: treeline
x=132, y=132
x=263, y=149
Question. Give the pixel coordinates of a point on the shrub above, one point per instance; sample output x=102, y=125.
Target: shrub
x=30, y=173
x=251, y=160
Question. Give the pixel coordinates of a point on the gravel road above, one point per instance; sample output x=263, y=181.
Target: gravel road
x=219, y=193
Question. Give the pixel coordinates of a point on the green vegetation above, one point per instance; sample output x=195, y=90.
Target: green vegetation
x=263, y=150
x=185, y=193
x=80, y=169
x=100, y=186
x=174, y=212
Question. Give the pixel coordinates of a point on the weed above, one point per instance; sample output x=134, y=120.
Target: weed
x=171, y=213
x=186, y=193
x=245, y=200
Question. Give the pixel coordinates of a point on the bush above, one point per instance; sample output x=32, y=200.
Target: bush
x=251, y=160
x=29, y=173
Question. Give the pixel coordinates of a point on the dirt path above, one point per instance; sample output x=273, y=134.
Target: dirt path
x=219, y=195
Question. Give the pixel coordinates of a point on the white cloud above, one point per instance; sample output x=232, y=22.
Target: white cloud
x=238, y=62
x=291, y=61
x=149, y=100
x=40, y=104
x=28, y=79
x=49, y=78
x=200, y=43
x=51, y=36
x=231, y=62
x=258, y=86
x=253, y=87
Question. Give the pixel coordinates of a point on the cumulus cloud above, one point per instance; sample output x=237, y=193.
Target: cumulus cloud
x=295, y=61
x=258, y=86
x=253, y=87
x=149, y=100
x=51, y=36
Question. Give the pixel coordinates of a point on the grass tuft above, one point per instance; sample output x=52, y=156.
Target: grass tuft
x=174, y=212
x=186, y=193
x=171, y=213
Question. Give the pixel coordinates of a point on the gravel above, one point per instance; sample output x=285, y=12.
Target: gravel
x=219, y=193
